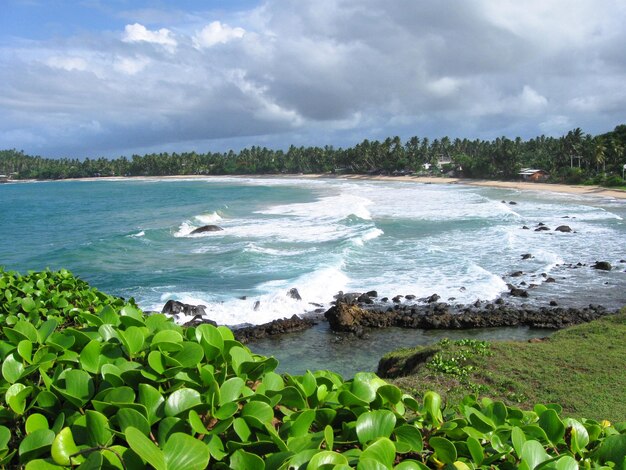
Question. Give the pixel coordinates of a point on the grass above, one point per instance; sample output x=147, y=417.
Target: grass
x=582, y=368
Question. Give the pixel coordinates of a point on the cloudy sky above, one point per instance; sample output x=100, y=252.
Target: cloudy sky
x=87, y=78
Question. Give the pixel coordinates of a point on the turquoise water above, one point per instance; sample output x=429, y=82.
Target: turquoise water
x=132, y=238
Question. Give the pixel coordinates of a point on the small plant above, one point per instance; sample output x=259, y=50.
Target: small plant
x=454, y=357
x=89, y=381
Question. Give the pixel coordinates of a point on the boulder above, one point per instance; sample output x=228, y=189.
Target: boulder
x=563, y=228
x=294, y=294
x=542, y=228
x=206, y=228
x=175, y=308
x=433, y=298
x=527, y=256
x=603, y=265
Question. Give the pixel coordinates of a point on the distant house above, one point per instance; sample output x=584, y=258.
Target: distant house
x=4, y=178
x=534, y=175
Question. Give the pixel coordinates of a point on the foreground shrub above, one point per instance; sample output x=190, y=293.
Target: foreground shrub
x=89, y=381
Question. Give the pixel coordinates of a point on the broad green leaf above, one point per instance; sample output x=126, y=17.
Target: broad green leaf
x=231, y=390
x=580, y=436
x=90, y=358
x=35, y=444
x=518, y=438
x=183, y=452
x=566, y=462
x=28, y=304
x=613, y=449
x=35, y=422
x=257, y=413
x=12, y=368
x=374, y=424
x=133, y=339
x=127, y=417
x=381, y=450
x=365, y=385
x=98, y=432
x=190, y=355
x=154, y=402
x=16, y=396
x=25, y=350
x=145, y=448
x=326, y=458
x=79, y=387
x=409, y=439
x=46, y=329
x=40, y=464
x=476, y=450
x=181, y=401
x=329, y=437
x=533, y=454
x=390, y=393
x=432, y=407
x=302, y=423
x=242, y=460
x=365, y=463
x=196, y=424
x=64, y=450
x=444, y=449
x=552, y=425
x=481, y=422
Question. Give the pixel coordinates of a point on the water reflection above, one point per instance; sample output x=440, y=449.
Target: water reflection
x=320, y=348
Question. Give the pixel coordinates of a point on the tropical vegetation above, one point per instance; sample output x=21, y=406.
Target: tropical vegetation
x=89, y=381
x=573, y=158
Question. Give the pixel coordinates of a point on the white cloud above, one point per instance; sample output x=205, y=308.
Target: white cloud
x=217, y=33
x=444, y=86
x=138, y=33
x=67, y=63
x=131, y=65
x=531, y=101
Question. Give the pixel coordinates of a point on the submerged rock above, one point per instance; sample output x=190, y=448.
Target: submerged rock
x=206, y=228
x=603, y=265
x=563, y=228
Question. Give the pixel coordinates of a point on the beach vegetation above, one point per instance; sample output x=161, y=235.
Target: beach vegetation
x=573, y=158
x=89, y=381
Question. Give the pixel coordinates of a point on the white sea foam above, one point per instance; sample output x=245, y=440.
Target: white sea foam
x=138, y=234
x=367, y=236
x=209, y=218
x=326, y=208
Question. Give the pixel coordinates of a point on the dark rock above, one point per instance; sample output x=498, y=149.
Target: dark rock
x=409, y=297
x=433, y=298
x=542, y=228
x=462, y=289
x=527, y=256
x=397, y=299
x=603, y=265
x=540, y=224
x=513, y=203
x=175, y=308
x=550, y=279
x=275, y=327
x=256, y=305
x=372, y=293
x=515, y=292
x=553, y=303
x=206, y=228
x=563, y=228
x=199, y=320
x=517, y=274
x=294, y=294
x=525, y=228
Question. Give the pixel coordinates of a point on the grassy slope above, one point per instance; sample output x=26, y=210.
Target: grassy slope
x=582, y=368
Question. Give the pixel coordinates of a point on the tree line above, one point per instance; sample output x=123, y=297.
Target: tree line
x=575, y=157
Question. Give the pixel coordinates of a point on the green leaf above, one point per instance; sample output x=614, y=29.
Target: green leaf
x=25, y=350
x=242, y=460
x=190, y=356
x=382, y=450
x=566, y=462
x=35, y=444
x=98, y=432
x=409, y=439
x=90, y=358
x=580, y=436
x=533, y=454
x=365, y=385
x=432, y=407
x=183, y=452
x=181, y=401
x=329, y=436
x=476, y=450
x=79, y=387
x=133, y=339
x=231, y=390
x=46, y=329
x=613, y=449
x=326, y=457
x=64, y=448
x=257, y=413
x=550, y=422
x=12, y=368
x=444, y=449
x=154, y=402
x=302, y=423
x=34, y=422
x=518, y=438
x=127, y=417
x=145, y=448
x=390, y=393
x=16, y=396
x=374, y=424
x=28, y=304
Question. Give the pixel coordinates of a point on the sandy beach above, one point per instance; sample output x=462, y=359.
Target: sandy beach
x=594, y=191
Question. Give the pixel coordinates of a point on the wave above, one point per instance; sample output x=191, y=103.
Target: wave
x=335, y=208
x=209, y=218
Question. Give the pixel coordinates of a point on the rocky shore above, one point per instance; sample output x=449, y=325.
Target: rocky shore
x=356, y=313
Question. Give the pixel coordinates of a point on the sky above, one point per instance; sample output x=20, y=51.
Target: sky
x=91, y=78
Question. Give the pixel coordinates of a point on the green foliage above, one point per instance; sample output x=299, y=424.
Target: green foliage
x=455, y=357
x=89, y=381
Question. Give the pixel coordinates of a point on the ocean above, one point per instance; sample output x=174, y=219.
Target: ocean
x=132, y=238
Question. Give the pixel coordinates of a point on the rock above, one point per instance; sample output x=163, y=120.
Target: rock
x=294, y=294
x=515, y=292
x=175, y=308
x=602, y=265
x=563, y=228
x=199, y=320
x=550, y=279
x=433, y=298
x=397, y=299
x=256, y=305
x=542, y=228
x=372, y=293
x=540, y=224
x=553, y=303
x=513, y=203
x=527, y=256
x=206, y=228
x=525, y=228
x=517, y=274
x=275, y=327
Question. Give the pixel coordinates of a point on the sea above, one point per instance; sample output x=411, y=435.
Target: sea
x=133, y=238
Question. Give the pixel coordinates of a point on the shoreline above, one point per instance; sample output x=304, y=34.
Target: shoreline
x=582, y=190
